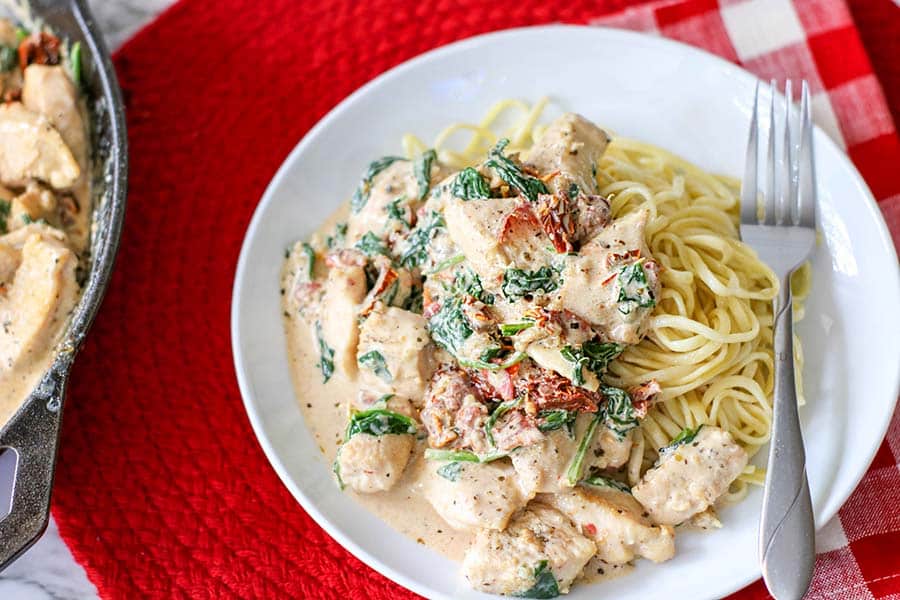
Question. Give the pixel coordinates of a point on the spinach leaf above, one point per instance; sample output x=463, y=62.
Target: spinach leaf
x=395, y=212
x=470, y=185
x=545, y=584
x=600, y=481
x=415, y=251
x=310, y=260
x=557, y=418
x=513, y=359
x=326, y=355
x=573, y=473
x=508, y=329
x=336, y=240
x=449, y=327
x=468, y=282
x=75, y=63
x=592, y=354
x=518, y=283
x=512, y=174
x=371, y=245
x=361, y=195
x=377, y=422
x=5, y=207
x=413, y=302
x=619, y=413
x=502, y=409
x=374, y=361
x=450, y=471
x=422, y=170
x=634, y=291
x=462, y=455
x=336, y=469
x=573, y=191
x=446, y=264
x=9, y=58
x=686, y=436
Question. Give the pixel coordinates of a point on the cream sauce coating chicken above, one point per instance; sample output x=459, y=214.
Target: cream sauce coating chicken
x=449, y=334
x=45, y=206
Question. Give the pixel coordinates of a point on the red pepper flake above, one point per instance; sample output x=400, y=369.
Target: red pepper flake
x=608, y=279
x=590, y=529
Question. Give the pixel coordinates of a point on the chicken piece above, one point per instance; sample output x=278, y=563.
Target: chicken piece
x=48, y=91
x=598, y=285
x=39, y=299
x=608, y=451
x=373, y=463
x=472, y=496
x=453, y=413
x=539, y=555
x=690, y=477
x=495, y=235
x=571, y=146
x=552, y=332
x=393, y=203
x=345, y=288
x=34, y=204
x=542, y=466
x=613, y=519
x=30, y=148
x=395, y=354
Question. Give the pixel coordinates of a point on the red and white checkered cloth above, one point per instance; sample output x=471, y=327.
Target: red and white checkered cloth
x=859, y=550
x=160, y=490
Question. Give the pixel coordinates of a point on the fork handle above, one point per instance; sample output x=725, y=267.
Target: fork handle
x=787, y=531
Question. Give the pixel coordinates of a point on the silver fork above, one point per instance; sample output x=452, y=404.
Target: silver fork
x=780, y=224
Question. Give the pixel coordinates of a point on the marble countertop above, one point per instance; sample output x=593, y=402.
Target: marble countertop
x=48, y=571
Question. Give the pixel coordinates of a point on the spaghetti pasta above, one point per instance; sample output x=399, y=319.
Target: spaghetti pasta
x=709, y=343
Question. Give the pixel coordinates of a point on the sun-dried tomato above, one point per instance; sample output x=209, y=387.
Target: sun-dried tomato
x=39, y=48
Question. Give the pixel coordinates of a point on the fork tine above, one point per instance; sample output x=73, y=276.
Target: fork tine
x=769, y=200
x=749, y=188
x=786, y=200
x=806, y=208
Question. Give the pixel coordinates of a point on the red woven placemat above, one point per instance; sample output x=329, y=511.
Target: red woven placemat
x=162, y=490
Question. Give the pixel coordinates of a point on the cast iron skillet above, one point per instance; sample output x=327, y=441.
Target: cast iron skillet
x=33, y=432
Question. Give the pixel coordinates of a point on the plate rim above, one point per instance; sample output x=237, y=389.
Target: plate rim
x=241, y=362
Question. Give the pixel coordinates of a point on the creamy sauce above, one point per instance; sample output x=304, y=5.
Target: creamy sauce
x=325, y=407
x=45, y=220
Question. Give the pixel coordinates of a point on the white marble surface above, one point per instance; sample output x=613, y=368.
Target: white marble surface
x=48, y=571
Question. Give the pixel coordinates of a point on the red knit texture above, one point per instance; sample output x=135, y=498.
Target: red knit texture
x=162, y=490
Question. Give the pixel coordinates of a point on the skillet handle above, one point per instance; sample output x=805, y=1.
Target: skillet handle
x=33, y=433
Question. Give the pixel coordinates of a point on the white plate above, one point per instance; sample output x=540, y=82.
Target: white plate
x=672, y=95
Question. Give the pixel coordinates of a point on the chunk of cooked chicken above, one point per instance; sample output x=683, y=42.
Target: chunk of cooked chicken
x=691, y=477
x=495, y=235
x=540, y=551
x=39, y=298
x=542, y=466
x=608, y=451
x=395, y=354
x=34, y=204
x=393, y=203
x=613, y=519
x=31, y=148
x=48, y=91
x=373, y=463
x=612, y=284
x=571, y=146
x=473, y=496
x=345, y=288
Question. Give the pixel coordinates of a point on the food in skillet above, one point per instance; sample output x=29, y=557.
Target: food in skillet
x=44, y=203
x=539, y=361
